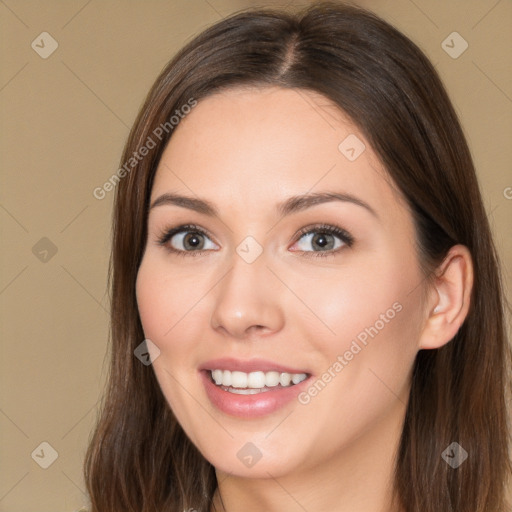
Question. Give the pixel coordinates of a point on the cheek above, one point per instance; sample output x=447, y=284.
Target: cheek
x=372, y=313
x=366, y=364
x=154, y=303
x=164, y=300
x=164, y=306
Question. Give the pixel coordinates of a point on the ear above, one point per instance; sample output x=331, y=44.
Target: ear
x=449, y=297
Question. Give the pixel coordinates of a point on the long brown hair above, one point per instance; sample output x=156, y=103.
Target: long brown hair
x=139, y=458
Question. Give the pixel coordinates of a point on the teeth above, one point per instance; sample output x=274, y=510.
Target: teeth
x=254, y=382
x=298, y=377
x=226, y=377
x=285, y=379
x=238, y=379
x=246, y=391
x=217, y=376
x=271, y=379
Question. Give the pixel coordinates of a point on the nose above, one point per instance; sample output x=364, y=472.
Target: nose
x=247, y=304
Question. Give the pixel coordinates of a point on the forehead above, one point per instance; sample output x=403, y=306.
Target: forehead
x=249, y=148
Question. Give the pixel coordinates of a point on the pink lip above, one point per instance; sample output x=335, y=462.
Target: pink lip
x=252, y=365
x=249, y=406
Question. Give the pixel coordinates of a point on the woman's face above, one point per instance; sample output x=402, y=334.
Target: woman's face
x=301, y=265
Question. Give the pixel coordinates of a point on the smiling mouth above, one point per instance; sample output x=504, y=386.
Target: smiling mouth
x=252, y=383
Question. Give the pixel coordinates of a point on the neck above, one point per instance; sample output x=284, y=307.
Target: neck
x=360, y=477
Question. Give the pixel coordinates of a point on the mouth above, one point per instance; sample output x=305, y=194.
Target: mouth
x=251, y=389
x=252, y=383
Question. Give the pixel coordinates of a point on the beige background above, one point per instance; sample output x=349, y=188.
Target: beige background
x=64, y=120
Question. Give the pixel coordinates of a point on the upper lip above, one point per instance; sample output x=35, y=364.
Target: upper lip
x=251, y=365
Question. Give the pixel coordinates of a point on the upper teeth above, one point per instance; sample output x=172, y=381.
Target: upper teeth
x=255, y=380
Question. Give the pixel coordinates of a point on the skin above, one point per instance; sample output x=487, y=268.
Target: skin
x=245, y=151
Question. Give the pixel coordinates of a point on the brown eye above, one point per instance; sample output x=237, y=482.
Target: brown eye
x=323, y=239
x=193, y=241
x=186, y=239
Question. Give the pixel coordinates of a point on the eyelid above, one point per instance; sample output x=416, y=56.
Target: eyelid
x=332, y=229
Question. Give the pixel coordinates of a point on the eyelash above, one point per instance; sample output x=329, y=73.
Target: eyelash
x=343, y=235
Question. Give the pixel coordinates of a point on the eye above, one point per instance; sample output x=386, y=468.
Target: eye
x=326, y=240
x=191, y=240
x=187, y=240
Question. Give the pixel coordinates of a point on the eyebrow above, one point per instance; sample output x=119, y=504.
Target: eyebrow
x=291, y=205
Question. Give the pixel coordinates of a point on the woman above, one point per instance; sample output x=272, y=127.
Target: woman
x=369, y=376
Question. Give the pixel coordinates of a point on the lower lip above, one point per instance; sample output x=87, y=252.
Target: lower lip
x=250, y=406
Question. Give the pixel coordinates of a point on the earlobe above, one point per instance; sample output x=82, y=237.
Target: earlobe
x=450, y=299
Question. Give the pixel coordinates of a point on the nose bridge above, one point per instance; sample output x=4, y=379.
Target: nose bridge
x=244, y=300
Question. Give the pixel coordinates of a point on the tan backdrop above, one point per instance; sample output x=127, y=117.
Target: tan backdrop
x=73, y=76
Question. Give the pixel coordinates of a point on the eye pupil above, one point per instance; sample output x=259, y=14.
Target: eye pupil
x=192, y=240
x=322, y=241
